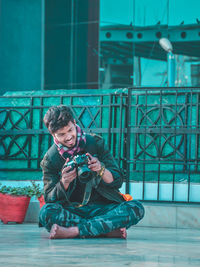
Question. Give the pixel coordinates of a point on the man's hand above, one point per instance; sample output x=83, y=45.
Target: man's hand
x=68, y=176
x=94, y=164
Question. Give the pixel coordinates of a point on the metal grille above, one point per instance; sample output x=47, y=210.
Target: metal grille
x=24, y=139
x=163, y=137
x=154, y=134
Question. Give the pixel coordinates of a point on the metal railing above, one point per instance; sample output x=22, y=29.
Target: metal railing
x=163, y=137
x=24, y=138
x=154, y=134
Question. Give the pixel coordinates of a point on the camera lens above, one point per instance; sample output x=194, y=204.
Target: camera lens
x=84, y=174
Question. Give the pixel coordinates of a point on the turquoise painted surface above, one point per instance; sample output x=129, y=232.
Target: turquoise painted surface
x=21, y=45
x=155, y=151
x=20, y=111
x=167, y=137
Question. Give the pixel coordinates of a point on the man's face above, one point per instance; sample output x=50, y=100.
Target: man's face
x=67, y=135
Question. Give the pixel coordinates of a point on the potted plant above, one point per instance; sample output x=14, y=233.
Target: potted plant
x=14, y=202
x=39, y=193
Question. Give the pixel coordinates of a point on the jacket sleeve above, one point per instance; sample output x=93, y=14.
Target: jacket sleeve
x=105, y=156
x=53, y=188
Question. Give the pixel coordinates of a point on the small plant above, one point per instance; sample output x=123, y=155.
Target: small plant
x=18, y=191
x=38, y=192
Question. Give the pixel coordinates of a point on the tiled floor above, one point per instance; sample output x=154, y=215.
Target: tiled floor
x=28, y=245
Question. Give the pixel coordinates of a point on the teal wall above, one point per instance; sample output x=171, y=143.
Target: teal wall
x=21, y=47
x=48, y=44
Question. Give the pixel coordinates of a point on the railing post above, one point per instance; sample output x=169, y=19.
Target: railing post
x=128, y=135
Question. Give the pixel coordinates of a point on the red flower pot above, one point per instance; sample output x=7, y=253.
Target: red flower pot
x=13, y=208
x=41, y=200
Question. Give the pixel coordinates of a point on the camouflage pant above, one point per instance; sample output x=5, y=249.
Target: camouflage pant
x=92, y=219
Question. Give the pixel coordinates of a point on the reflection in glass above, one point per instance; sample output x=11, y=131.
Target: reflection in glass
x=130, y=54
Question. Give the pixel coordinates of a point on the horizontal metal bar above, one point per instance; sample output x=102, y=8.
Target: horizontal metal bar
x=168, y=171
x=20, y=169
x=91, y=95
x=183, y=89
x=4, y=107
x=23, y=132
x=192, y=161
x=44, y=131
x=141, y=34
x=176, y=130
x=172, y=201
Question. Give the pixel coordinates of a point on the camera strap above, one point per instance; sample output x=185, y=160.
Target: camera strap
x=88, y=188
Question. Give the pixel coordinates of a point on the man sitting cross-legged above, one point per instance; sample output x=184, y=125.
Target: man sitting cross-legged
x=81, y=184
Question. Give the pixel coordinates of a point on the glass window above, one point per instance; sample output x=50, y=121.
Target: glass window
x=130, y=52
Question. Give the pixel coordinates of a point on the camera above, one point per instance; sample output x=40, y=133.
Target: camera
x=80, y=162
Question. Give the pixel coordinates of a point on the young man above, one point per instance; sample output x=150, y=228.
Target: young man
x=81, y=184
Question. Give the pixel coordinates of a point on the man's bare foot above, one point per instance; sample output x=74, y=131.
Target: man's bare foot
x=118, y=233
x=58, y=232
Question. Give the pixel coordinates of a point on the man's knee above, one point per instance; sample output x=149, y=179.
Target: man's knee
x=137, y=208
x=47, y=211
x=141, y=209
x=50, y=207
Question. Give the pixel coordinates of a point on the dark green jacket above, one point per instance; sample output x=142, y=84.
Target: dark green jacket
x=52, y=164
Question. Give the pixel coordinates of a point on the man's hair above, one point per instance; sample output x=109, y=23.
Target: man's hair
x=58, y=117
